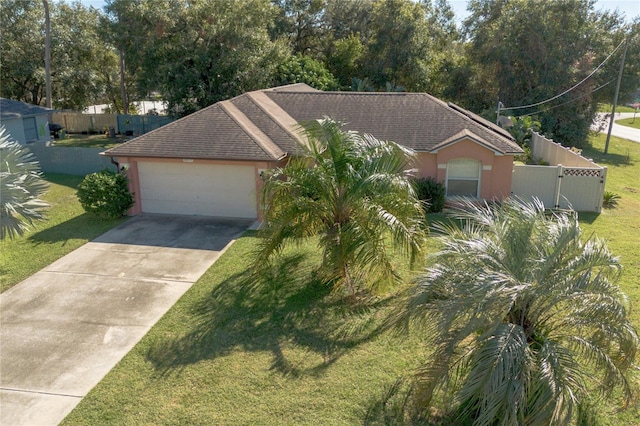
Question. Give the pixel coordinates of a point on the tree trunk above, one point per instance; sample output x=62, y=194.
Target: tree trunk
x=47, y=52
x=123, y=89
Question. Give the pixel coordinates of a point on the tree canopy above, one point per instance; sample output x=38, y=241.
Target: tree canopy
x=523, y=52
x=194, y=53
x=81, y=60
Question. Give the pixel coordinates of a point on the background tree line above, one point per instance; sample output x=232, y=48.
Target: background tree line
x=197, y=52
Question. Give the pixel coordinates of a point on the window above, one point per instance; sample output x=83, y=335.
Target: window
x=463, y=177
x=30, y=129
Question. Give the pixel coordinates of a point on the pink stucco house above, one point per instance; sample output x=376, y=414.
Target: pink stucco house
x=210, y=162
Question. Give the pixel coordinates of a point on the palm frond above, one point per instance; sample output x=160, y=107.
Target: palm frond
x=21, y=185
x=547, y=325
x=351, y=191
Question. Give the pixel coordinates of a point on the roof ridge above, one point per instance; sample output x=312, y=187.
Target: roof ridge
x=158, y=130
x=278, y=115
x=338, y=92
x=254, y=132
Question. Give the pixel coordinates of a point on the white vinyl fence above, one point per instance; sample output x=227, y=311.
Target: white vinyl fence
x=570, y=181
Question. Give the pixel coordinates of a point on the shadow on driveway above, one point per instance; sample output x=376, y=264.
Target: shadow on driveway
x=187, y=232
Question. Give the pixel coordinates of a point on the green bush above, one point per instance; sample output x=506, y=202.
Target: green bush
x=432, y=193
x=610, y=199
x=105, y=194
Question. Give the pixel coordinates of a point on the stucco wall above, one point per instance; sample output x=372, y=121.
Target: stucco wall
x=15, y=127
x=495, y=179
x=497, y=170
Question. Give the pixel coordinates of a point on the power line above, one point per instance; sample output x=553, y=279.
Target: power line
x=502, y=108
x=569, y=101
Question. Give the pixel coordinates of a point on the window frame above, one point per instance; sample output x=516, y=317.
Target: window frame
x=477, y=179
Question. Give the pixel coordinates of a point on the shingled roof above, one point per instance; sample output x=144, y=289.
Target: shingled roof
x=264, y=125
x=15, y=109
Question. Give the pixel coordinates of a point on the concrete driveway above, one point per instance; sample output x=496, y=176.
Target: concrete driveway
x=65, y=327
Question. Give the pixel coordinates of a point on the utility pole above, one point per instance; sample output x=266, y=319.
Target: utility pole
x=615, y=97
x=123, y=89
x=498, y=115
x=47, y=52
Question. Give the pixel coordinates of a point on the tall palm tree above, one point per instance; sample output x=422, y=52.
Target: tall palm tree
x=21, y=185
x=525, y=315
x=353, y=192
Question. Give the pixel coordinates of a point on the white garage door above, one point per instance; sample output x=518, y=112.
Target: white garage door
x=198, y=189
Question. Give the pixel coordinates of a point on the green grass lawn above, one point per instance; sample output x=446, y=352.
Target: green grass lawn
x=619, y=108
x=281, y=350
x=620, y=226
x=90, y=141
x=630, y=122
x=67, y=227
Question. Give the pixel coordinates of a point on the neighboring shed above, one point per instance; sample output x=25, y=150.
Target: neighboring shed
x=209, y=163
x=26, y=123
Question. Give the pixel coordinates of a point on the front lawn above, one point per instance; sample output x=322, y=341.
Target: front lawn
x=629, y=122
x=233, y=351
x=620, y=226
x=67, y=227
x=90, y=141
x=236, y=351
x=619, y=108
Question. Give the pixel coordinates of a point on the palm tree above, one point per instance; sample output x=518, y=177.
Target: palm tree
x=21, y=185
x=353, y=192
x=526, y=318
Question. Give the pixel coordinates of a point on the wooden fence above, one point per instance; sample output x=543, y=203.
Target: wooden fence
x=76, y=122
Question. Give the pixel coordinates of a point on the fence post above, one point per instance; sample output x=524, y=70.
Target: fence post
x=603, y=181
x=558, y=186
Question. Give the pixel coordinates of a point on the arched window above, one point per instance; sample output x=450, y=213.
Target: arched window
x=463, y=177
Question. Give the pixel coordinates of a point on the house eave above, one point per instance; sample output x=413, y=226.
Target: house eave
x=186, y=156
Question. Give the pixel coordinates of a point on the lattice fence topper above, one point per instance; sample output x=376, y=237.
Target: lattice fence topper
x=582, y=172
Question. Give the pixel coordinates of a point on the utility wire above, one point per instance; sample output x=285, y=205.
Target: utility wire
x=568, y=90
x=569, y=101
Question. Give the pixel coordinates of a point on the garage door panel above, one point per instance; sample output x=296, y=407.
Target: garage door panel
x=198, y=189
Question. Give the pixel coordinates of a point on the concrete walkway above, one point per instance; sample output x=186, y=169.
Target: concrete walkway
x=65, y=327
x=601, y=124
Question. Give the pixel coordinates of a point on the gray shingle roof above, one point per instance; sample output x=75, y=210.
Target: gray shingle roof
x=416, y=120
x=15, y=109
x=262, y=125
x=211, y=133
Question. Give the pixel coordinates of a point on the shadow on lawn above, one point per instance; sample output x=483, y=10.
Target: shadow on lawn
x=86, y=226
x=609, y=159
x=287, y=305
x=70, y=181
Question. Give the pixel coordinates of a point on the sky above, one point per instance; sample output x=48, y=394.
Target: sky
x=630, y=8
